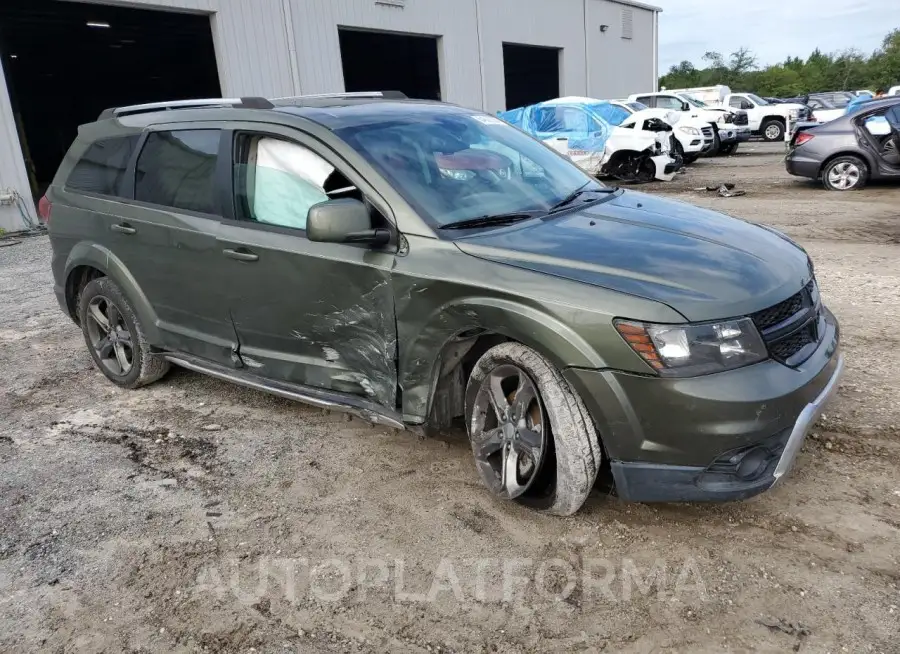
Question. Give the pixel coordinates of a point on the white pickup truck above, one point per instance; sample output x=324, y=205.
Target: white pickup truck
x=765, y=119
x=729, y=127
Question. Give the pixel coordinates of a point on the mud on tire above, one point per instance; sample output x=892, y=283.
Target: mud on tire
x=146, y=367
x=571, y=464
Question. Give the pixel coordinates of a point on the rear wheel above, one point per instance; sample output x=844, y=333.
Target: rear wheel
x=847, y=173
x=115, y=338
x=772, y=130
x=533, y=440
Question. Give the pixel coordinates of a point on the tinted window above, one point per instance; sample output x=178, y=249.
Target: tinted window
x=102, y=168
x=646, y=100
x=178, y=169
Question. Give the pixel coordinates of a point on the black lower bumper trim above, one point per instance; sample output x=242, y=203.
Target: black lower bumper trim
x=651, y=482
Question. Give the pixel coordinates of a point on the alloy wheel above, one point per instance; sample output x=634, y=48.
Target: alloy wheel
x=509, y=431
x=110, y=337
x=844, y=176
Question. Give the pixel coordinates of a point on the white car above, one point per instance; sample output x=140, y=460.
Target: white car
x=693, y=136
x=730, y=128
x=824, y=111
x=578, y=127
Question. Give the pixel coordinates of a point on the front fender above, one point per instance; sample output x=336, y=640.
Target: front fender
x=101, y=258
x=424, y=340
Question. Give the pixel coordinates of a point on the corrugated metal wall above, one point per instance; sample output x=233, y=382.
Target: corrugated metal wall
x=288, y=47
x=619, y=66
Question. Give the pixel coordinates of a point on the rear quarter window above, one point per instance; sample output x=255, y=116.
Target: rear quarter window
x=178, y=169
x=102, y=167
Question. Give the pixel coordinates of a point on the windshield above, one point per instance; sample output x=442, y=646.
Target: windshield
x=455, y=167
x=692, y=100
x=758, y=100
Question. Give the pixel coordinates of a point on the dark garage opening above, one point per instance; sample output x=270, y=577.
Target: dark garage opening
x=389, y=61
x=62, y=72
x=531, y=74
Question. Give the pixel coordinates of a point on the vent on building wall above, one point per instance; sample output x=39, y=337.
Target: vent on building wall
x=627, y=23
x=391, y=3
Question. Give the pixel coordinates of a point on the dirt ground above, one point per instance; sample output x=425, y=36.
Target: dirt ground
x=197, y=516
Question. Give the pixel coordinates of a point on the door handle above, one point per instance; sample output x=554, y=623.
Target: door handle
x=240, y=255
x=123, y=228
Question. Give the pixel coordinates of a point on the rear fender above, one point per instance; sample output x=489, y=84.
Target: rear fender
x=99, y=257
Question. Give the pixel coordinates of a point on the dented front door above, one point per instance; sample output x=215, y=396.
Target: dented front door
x=317, y=314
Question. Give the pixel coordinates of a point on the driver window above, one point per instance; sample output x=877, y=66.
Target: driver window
x=668, y=102
x=573, y=120
x=278, y=181
x=736, y=101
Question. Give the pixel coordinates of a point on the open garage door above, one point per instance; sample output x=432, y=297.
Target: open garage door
x=390, y=61
x=67, y=61
x=531, y=74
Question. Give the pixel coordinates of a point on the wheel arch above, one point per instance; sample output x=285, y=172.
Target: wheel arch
x=859, y=154
x=452, y=335
x=88, y=261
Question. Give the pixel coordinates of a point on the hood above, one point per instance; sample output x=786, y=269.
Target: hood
x=703, y=264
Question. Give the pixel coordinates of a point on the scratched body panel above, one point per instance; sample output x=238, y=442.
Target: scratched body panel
x=316, y=314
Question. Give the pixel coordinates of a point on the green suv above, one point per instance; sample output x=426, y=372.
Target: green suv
x=416, y=262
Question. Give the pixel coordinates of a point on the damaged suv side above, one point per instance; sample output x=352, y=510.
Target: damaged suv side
x=415, y=262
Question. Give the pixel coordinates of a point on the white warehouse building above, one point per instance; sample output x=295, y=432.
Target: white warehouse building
x=63, y=61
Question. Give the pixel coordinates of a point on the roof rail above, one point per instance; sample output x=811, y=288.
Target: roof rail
x=386, y=95
x=240, y=103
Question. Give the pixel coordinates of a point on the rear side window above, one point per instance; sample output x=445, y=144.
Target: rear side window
x=102, y=167
x=178, y=169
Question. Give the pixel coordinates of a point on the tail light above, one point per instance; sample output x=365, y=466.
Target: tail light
x=44, y=209
x=803, y=137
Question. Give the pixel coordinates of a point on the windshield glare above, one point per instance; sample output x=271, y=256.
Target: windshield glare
x=454, y=167
x=692, y=100
x=758, y=100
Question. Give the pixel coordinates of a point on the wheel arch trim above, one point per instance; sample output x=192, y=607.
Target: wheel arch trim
x=101, y=258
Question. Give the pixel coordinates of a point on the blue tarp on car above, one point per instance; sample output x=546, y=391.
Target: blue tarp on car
x=586, y=125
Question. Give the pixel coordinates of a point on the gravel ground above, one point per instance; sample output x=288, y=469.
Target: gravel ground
x=193, y=515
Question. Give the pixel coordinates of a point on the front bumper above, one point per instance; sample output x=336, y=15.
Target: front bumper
x=743, y=134
x=725, y=436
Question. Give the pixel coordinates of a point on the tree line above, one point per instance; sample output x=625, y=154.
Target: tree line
x=849, y=70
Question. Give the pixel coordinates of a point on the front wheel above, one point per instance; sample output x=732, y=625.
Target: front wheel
x=845, y=174
x=772, y=130
x=533, y=439
x=729, y=149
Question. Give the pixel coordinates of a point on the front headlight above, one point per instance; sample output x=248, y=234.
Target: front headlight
x=695, y=349
x=692, y=131
x=794, y=113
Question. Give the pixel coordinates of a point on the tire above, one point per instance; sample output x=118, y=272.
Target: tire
x=846, y=173
x=717, y=144
x=690, y=158
x=678, y=149
x=729, y=149
x=562, y=475
x=772, y=130
x=102, y=298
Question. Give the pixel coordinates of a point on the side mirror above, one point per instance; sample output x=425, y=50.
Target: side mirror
x=685, y=106
x=746, y=105
x=343, y=221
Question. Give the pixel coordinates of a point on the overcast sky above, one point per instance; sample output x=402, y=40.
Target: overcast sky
x=772, y=29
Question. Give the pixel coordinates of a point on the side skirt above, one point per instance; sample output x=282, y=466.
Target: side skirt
x=314, y=396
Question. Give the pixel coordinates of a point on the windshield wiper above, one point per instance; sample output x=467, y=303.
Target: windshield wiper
x=577, y=193
x=489, y=221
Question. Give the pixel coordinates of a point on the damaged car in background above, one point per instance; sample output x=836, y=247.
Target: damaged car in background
x=691, y=137
x=634, y=151
x=415, y=263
